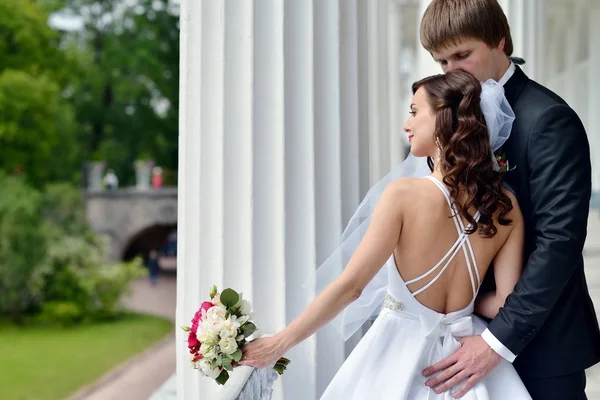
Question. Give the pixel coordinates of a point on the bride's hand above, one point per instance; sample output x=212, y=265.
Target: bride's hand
x=262, y=352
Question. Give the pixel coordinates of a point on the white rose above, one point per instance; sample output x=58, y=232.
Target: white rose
x=208, y=351
x=246, y=307
x=215, y=320
x=210, y=327
x=216, y=313
x=228, y=345
x=209, y=368
x=217, y=300
x=228, y=331
x=207, y=337
x=243, y=320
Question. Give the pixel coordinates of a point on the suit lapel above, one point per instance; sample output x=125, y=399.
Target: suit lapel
x=512, y=90
x=515, y=85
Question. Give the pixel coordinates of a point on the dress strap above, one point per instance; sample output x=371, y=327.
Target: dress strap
x=462, y=242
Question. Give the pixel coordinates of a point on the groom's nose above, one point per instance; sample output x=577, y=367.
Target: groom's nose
x=451, y=65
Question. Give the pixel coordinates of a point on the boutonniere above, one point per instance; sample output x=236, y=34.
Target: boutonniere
x=501, y=162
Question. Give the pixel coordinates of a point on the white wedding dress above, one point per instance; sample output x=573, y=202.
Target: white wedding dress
x=407, y=337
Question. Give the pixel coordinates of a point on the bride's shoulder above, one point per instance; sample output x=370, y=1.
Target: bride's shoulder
x=409, y=184
x=405, y=186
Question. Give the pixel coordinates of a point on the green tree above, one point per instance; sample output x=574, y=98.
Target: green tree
x=36, y=122
x=127, y=97
x=23, y=247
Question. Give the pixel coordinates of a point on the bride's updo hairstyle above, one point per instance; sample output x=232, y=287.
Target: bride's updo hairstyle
x=466, y=159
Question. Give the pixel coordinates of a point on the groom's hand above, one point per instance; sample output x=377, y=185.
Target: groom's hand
x=473, y=361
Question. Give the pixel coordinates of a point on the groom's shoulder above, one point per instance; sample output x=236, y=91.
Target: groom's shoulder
x=536, y=103
x=540, y=97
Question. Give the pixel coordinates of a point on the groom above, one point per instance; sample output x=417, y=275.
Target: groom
x=548, y=327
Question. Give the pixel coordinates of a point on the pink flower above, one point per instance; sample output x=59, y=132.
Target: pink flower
x=205, y=306
x=198, y=316
x=193, y=342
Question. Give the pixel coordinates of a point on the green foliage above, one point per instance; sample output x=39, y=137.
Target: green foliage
x=36, y=122
x=23, y=247
x=35, y=126
x=126, y=93
x=79, y=270
x=50, y=260
x=27, y=43
x=108, y=91
x=108, y=284
x=65, y=313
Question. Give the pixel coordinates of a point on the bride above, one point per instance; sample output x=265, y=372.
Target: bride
x=422, y=255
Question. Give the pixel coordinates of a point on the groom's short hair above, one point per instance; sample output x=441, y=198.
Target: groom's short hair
x=448, y=22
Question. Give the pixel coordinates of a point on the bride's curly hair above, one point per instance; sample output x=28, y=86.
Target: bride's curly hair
x=465, y=157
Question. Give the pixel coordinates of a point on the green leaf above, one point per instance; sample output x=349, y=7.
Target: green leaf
x=238, y=304
x=248, y=329
x=283, y=361
x=212, y=292
x=237, y=356
x=185, y=328
x=227, y=364
x=279, y=369
x=229, y=298
x=220, y=360
x=223, y=377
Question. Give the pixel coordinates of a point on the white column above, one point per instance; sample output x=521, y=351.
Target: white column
x=269, y=171
x=354, y=114
x=299, y=177
x=426, y=66
x=397, y=111
x=525, y=20
x=198, y=146
x=268, y=233
x=378, y=89
x=328, y=164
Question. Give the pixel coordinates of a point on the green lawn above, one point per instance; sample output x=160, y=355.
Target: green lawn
x=46, y=363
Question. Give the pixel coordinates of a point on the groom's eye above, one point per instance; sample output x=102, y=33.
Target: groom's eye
x=462, y=56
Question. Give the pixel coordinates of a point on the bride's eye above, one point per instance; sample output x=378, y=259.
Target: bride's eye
x=411, y=112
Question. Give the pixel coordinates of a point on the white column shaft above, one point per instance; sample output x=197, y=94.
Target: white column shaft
x=328, y=167
x=200, y=238
x=270, y=165
x=238, y=150
x=426, y=66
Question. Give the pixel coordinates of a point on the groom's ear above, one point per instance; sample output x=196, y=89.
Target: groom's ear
x=501, y=45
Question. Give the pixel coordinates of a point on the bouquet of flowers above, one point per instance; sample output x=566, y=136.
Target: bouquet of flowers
x=219, y=331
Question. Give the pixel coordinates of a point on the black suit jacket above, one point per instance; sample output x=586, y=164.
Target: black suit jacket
x=549, y=320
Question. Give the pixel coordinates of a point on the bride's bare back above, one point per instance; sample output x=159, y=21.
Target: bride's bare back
x=429, y=231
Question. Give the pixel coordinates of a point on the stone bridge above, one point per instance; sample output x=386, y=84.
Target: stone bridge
x=135, y=220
